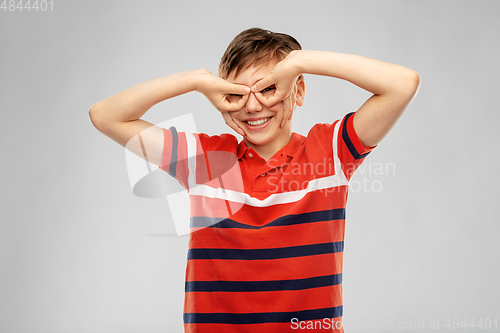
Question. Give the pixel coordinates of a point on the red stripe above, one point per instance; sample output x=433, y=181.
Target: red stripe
x=182, y=171
x=268, y=301
x=269, y=237
x=266, y=270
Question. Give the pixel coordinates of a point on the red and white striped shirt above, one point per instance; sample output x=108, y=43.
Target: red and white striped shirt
x=267, y=237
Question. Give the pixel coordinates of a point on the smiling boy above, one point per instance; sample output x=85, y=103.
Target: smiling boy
x=272, y=261
x=261, y=125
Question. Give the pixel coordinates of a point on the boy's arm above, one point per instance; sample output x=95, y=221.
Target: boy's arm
x=393, y=86
x=118, y=116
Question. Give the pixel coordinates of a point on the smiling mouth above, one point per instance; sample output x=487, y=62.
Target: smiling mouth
x=258, y=122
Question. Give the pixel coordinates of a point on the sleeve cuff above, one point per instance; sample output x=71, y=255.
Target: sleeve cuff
x=351, y=139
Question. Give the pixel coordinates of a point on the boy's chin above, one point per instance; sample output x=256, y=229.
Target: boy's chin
x=255, y=141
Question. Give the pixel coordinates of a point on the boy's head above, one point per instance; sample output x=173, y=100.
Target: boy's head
x=255, y=46
x=250, y=57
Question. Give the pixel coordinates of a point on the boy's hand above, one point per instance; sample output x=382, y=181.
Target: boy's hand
x=282, y=78
x=217, y=90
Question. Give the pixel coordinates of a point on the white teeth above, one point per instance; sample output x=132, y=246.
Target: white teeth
x=258, y=122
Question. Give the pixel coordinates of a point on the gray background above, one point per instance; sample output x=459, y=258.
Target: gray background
x=74, y=246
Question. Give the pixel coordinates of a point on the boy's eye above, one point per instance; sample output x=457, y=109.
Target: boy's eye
x=233, y=97
x=270, y=88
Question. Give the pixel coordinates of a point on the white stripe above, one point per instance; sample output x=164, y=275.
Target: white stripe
x=191, y=147
x=336, y=159
x=277, y=198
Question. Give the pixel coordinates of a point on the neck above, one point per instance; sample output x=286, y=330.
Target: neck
x=268, y=150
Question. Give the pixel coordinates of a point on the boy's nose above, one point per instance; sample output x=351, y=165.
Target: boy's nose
x=253, y=104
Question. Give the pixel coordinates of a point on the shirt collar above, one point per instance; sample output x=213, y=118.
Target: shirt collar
x=289, y=149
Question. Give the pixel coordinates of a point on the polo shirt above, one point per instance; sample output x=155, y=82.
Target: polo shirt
x=266, y=245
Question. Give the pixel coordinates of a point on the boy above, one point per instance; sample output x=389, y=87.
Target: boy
x=274, y=262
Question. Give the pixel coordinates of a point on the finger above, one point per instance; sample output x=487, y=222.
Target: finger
x=294, y=105
x=231, y=88
x=260, y=98
x=289, y=106
x=264, y=83
x=234, y=106
x=286, y=112
x=230, y=122
x=269, y=101
x=292, y=109
x=241, y=103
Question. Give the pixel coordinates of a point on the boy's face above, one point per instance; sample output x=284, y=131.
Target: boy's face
x=260, y=123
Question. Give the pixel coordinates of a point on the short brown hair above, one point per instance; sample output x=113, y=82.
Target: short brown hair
x=255, y=46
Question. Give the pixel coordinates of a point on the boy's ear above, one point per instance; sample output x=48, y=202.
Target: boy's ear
x=301, y=92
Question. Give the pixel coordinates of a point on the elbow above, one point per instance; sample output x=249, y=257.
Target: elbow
x=407, y=84
x=94, y=115
x=413, y=82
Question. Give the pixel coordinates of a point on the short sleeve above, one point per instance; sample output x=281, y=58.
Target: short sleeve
x=179, y=153
x=350, y=150
x=197, y=158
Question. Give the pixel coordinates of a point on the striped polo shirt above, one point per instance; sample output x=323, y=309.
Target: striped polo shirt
x=267, y=237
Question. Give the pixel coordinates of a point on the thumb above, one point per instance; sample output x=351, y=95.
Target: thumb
x=264, y=83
